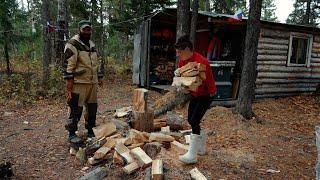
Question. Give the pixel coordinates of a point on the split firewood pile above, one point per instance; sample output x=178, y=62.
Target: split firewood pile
x=191, y=76
x=134, y=145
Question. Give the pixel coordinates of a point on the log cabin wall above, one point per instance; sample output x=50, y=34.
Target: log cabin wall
x=275, y=76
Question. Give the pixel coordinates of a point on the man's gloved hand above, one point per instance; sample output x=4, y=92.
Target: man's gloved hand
x=177, y=72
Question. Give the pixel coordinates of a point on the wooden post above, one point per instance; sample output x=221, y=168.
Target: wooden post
x=140, y=97
x=157, y=169
x=143, y=117
x=143, y=121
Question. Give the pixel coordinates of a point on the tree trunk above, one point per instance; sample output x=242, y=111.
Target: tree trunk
x=193, y=29
x=248, y=76
x=207, y=5
x=47, y=43
x=307, y=15
x=102, y=54
x=61, y=22
x=183, y=10
x=6, y=53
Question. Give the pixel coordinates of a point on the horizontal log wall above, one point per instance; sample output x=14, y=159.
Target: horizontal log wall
x=275, y=78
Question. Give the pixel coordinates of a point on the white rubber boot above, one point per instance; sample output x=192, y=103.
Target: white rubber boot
x=191, y=156
x=203, y=142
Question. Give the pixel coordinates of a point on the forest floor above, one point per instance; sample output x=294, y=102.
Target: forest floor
x=279, y=144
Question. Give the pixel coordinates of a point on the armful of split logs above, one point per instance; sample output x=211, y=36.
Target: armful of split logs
x=191, y=76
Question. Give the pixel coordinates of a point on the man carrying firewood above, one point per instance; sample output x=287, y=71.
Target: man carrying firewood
x=82, y=75
x=201, y=96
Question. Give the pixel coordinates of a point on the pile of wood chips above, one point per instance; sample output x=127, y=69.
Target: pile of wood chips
x=192, y=75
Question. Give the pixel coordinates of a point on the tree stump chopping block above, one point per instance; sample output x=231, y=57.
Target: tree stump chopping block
x=143, y=121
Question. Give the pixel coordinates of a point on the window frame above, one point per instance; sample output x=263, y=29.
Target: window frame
x=309, y=37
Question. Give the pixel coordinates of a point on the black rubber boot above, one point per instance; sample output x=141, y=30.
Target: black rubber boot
x=73, y=138
x=74, y=118
x=91, y=119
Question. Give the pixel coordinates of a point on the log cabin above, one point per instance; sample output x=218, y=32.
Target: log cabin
x=288, y=61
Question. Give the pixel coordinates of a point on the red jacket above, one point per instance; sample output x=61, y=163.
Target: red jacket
x=208, y=86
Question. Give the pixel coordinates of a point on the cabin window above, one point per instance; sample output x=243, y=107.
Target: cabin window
x=299, y=49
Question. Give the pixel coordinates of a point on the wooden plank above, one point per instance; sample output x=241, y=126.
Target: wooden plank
x=124, y=152
x=293, y=69
x=315, y=60
x=273, y=57
x=285, y=81
x=260, y=62
x=315, y=45
x=157, y=170
x=143, y=159
x=140, y=100
x=101, y=153
x=291, y=85
x=159, y=137
x=264, y=46
x=317, y=65
x=287, y=75
x=131, y=168
x=315, y=55
x=136, y=59
x=276, y=95
x=181, y=148
x=275, y=33
x=143, y=121
x=315, y=51
x=284, y=90
x=274, y=41
x=272, y=52
x=197, y=175
x=104, y=130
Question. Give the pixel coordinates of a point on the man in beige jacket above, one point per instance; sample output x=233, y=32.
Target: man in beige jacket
x=82, y=75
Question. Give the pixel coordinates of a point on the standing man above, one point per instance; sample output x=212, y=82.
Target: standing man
x=201, y=99
x=82, y=76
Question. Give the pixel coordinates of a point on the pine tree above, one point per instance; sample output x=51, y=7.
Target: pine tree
x=306, y=12
x=268, y=11
x=8, y=8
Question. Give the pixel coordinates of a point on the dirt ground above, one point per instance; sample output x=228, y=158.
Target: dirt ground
x=278, y=144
